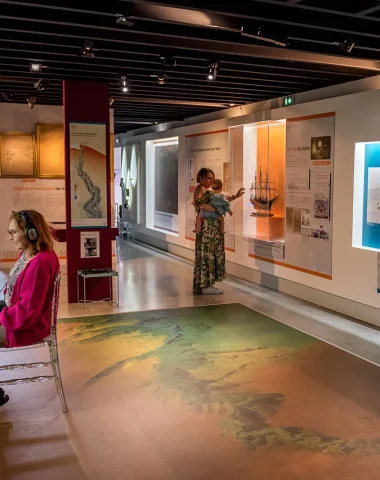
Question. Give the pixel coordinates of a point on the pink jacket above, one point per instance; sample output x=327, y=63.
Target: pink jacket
x=28, y=319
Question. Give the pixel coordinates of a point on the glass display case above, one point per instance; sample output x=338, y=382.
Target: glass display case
x=258, y=153
x=366, y=206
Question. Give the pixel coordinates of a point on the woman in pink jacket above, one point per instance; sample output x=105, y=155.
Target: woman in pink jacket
x=26, y=311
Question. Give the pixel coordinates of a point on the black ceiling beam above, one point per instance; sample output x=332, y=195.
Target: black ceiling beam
x=180, y=70
x=8, y=37
x=268, y=84
x=28, y=56
x=312, y=17
x=200, y=44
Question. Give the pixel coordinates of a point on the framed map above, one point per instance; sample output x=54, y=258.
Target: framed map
x=50, y=151
x=17, y=155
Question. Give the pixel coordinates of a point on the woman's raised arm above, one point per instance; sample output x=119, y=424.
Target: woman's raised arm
x=231, y=198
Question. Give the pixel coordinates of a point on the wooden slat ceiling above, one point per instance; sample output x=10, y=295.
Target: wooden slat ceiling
x=53, y=32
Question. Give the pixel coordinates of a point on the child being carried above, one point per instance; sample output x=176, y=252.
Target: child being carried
x=218, y=201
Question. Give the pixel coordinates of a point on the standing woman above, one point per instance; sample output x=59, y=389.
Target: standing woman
x=26, y=312
x=210, y=262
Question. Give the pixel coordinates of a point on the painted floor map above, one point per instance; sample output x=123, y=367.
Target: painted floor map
x=233, y=393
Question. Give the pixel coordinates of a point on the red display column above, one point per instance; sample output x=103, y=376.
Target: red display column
x=87, y=160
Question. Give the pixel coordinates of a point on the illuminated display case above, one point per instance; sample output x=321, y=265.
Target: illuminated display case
x=366, y=206
x=258, y=152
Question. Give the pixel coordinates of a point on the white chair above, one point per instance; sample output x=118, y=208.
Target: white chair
x=129, y=229
x=51, y=343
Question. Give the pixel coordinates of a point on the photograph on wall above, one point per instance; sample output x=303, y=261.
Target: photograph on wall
x=88, y=175
x=50, y=151
x=89, y=245
x=17, y=155
x=321, y=207
x=166, y=179
x=289, y=219
x=321, y=148
x=226, y=177
x=373, y=195
x=305, y=217
x=297, y=221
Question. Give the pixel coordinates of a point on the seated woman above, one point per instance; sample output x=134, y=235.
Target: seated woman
x=26, y=311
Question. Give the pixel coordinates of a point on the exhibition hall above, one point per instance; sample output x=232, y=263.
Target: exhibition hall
x=190, y=247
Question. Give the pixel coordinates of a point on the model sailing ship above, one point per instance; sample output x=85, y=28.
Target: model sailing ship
x=263, y=195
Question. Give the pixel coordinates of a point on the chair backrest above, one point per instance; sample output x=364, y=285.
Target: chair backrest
x=55, y=299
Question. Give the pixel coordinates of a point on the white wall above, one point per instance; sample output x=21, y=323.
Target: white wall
x=353, y=289
x=20, y=118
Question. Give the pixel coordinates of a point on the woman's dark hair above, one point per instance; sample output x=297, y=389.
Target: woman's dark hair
x=203, y=172
x=45, y=240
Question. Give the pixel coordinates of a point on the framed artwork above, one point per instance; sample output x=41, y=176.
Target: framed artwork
x=88, y=175
x=17, y=155
x=50, y=151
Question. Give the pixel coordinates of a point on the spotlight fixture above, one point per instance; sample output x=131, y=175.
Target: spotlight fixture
x=212, y=71
x=160, y=77
x=168, y=61
x=42, y=84
x=88, y=50
x=35, y=67
x=31, y=101
x=257, y=36
x=111, y=100
x=347, y=46
x=123, y=20
x=124, y=84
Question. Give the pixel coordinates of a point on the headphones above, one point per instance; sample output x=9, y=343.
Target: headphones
x=31, y=233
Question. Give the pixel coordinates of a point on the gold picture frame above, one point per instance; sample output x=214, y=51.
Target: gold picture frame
x=50, y=151
x=17, y=155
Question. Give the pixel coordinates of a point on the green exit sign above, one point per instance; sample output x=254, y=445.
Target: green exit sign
x=288, y=101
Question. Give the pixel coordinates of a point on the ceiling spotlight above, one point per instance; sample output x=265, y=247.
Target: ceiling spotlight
x=36, y=67
x=42, y=84
x=31, y=102
x=111, y=100
x=347, y=46
x=123, y=20
x=257, y=36
x=212, y=71
x=124, y=84
x=160, y=77
x=87, y=50
x=168, y=61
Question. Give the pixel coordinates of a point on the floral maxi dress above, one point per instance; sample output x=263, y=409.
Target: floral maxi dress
x=210, y=261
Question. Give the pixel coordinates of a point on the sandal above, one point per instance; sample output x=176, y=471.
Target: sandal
x=4, y=398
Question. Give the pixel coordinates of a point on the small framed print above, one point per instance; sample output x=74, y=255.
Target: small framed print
x=50, y=151
x=17, y=155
